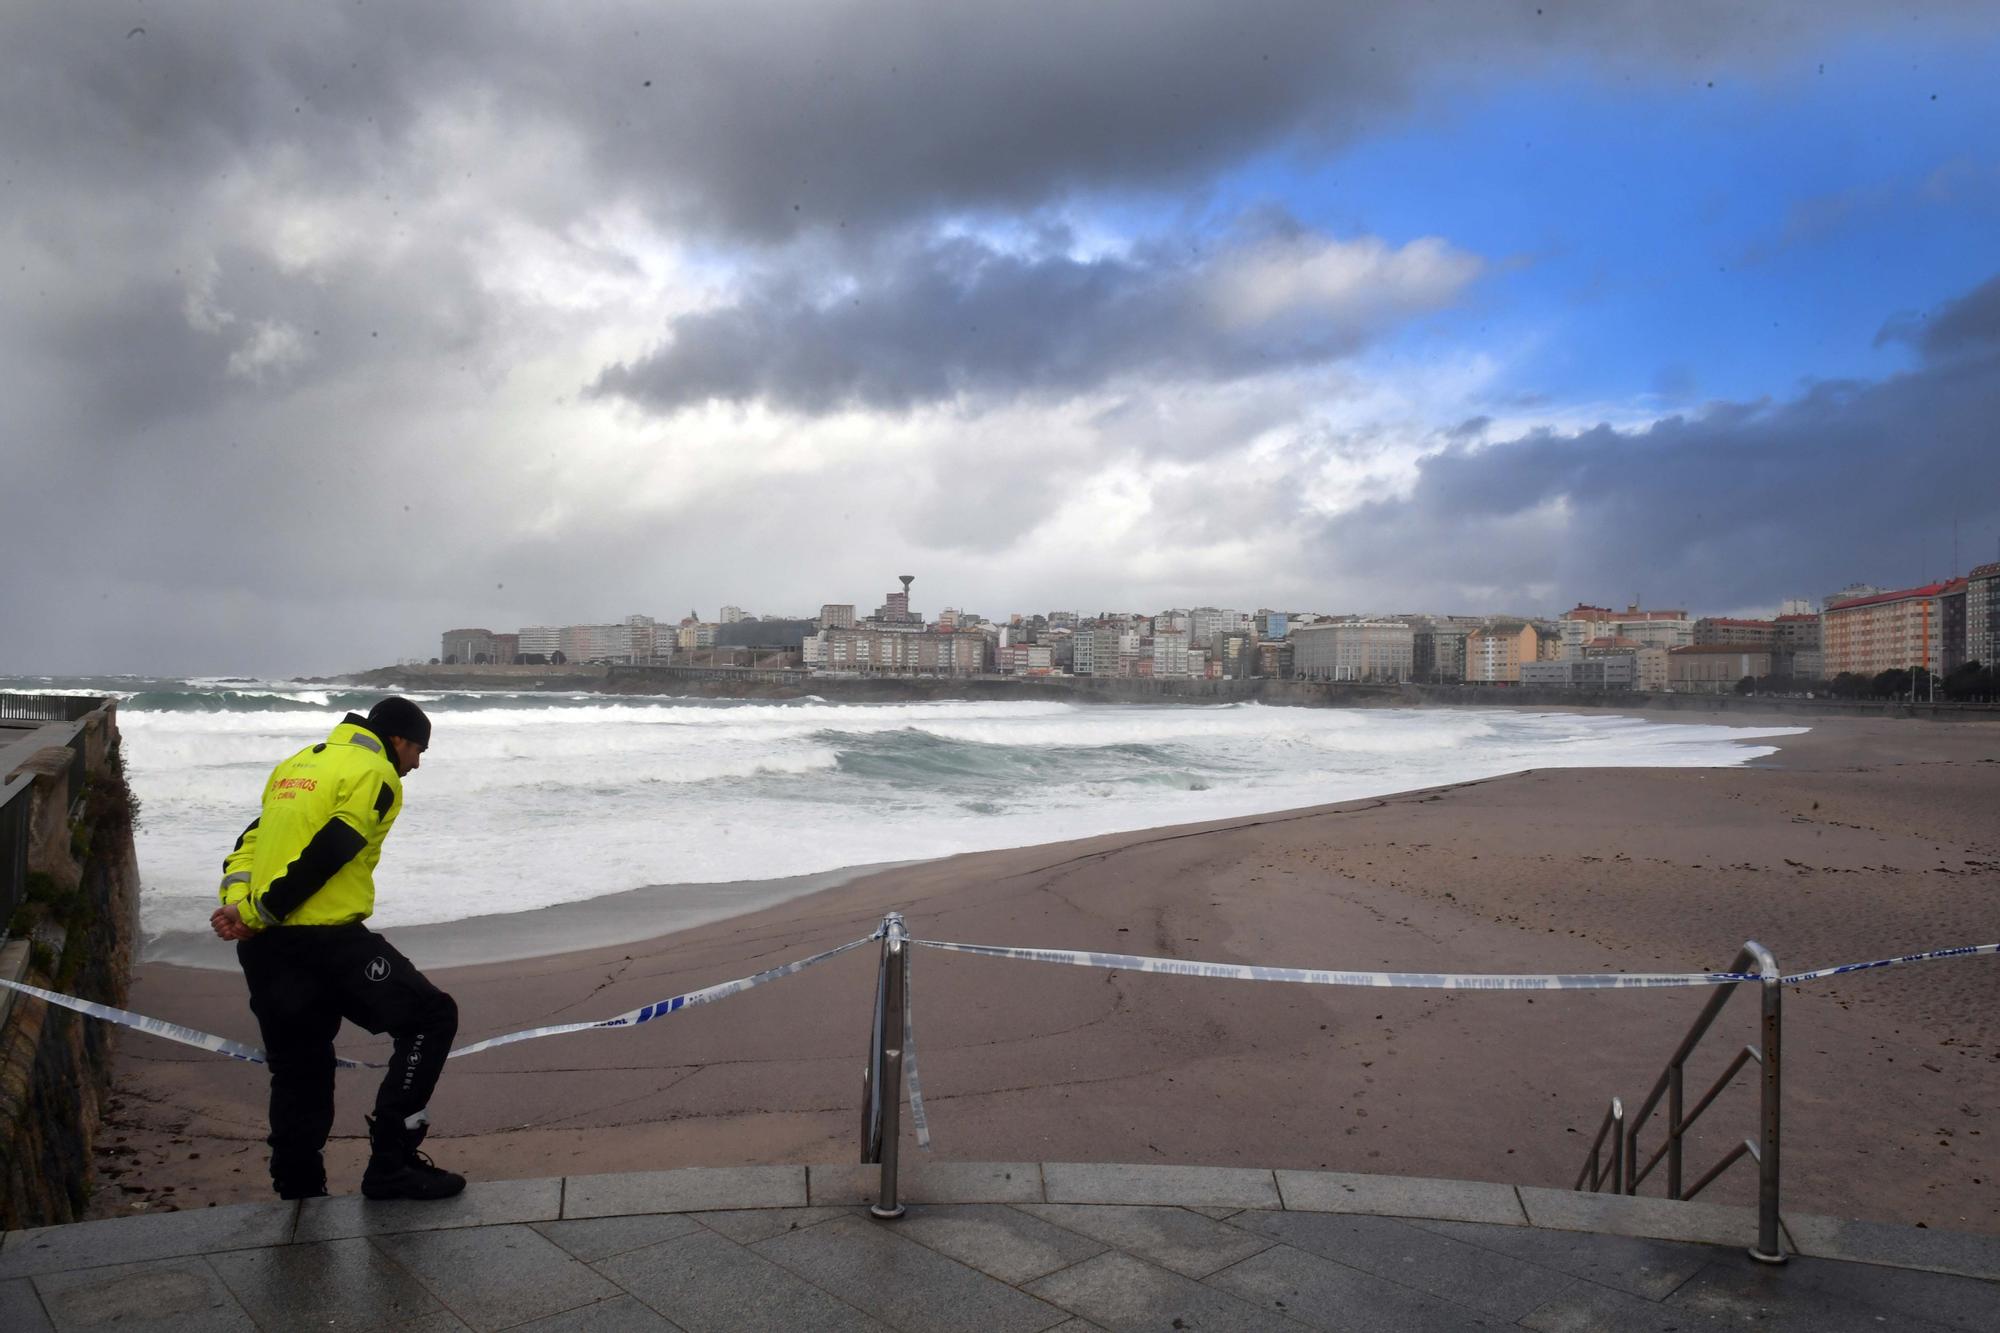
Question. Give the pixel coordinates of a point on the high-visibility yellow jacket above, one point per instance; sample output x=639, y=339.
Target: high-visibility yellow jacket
x=309, y=858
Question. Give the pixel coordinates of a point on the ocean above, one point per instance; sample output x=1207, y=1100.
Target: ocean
x=529, y=800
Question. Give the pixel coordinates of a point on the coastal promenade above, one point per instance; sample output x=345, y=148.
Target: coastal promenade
x=990, y=1247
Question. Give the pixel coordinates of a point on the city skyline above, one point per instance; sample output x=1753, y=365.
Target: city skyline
x=325, y=328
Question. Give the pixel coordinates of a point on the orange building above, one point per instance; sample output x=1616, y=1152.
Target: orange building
x=1890, y=631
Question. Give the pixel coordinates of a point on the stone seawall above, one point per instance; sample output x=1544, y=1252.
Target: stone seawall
x=76, y=933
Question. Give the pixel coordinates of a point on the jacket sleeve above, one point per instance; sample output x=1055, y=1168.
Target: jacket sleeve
x=336, y=843
x=235, y=887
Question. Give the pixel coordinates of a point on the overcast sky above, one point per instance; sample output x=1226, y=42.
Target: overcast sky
x=324, y=328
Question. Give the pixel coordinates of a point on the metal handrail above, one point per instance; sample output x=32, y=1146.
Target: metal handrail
x=1593, y=1171
x=1626, y=1173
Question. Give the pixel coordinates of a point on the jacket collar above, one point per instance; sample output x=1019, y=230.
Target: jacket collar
x=353, y=730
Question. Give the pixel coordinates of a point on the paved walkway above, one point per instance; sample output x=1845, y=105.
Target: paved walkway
x=989, y=1247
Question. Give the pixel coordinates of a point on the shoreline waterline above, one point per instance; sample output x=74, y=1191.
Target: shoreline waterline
x=617, y=919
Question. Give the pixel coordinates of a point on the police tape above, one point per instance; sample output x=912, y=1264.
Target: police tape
x=1123, y=962
x=237, y=1050
x=646, y=1013
x=1127, y=962
x=920, y=1122
x=1962, y=951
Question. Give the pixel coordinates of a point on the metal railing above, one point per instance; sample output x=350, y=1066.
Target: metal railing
x=47, y=707
x=882, y=1079
x=1624, y=1172
x=16, y=803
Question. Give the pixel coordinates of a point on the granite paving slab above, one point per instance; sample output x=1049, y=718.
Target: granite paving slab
x=21, y=1309
x=1390, y=1248
x=484, y=1203
x=1585, y=1307
x=690, y=1189
x=1213, y=1186
x=620, y=1314
x=495, y=1277
x=904, y=1284
x=1173, y=1238
x=1642, y=1267
x=125, y=1240
x=594, y=1238
x=1117, y=1292
x=999, y=1241
x=164, y=1294
x=1887, y=1243
x=1841, y=1295
x=704, y=1281
x=747, y=1226
x=1323, y=1294
x=348, y=1283
x=1637, y=1215
x=1400, y=1196
x=442, y=1321
x=929, y=1182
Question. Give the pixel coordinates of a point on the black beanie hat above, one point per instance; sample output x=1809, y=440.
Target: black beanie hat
x=397, y=716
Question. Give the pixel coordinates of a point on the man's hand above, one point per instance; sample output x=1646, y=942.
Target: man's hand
x=227, y=923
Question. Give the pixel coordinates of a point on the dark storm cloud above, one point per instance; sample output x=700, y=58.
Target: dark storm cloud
x=1969, y=325
x=755, y=121
x=1739, y=506
x=957, y=316
x=247, y=341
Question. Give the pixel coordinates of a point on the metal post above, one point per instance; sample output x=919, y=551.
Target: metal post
x=1617, y=1147
x=1769, y=1250
x=890, y=1084
x=1674, y=1135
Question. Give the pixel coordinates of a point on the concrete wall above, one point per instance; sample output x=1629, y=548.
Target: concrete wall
x=81, y=927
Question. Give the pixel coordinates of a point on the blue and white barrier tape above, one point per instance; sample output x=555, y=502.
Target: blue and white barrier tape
x=1123, y=962
x=920, y=1122
x=237, y=1050
x=158, y=1027
x=646, y=1013
x=1127, y=962
x=1962, y=951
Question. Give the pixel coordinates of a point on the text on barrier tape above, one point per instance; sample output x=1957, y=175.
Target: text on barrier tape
x=1187, y=967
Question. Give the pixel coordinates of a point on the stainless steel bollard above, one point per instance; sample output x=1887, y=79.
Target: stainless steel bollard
x=1770, y=1249
x=889, y=1075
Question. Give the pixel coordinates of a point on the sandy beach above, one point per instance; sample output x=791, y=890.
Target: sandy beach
x=1861, y=838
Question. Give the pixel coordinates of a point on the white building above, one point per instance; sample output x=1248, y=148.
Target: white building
x=1170, y=653
x=1372, y=650
x=543, y=639
x=731, y=614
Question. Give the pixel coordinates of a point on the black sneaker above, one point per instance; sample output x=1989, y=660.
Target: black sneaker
x=396, y=1170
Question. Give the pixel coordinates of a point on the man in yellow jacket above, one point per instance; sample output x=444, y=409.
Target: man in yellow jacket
x=295, y=891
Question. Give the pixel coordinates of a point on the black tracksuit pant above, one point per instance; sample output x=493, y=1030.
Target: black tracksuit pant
x=303, y=980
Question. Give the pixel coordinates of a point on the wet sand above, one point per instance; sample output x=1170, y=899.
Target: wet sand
x=1859, y=839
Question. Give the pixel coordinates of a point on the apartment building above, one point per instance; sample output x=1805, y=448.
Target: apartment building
x=1750, y=633
x=1668, y=629
x=923, y=653
x=1649, y=660
x=1495, y=653
x=1982, y=615
x=1170, y=653
x=1887, y=631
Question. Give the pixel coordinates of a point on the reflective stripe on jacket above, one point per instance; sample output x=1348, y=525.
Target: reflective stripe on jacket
x=309, y=858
